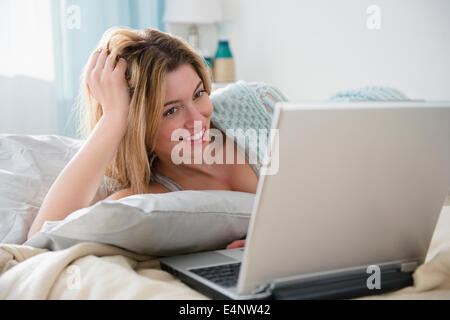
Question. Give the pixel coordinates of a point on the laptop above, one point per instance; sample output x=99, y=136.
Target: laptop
x=350, y=210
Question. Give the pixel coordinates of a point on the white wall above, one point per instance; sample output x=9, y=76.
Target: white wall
x=310, y=49
x=27, y=106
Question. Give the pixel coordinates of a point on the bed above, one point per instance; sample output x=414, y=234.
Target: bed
x=97, y=271
x=94, y=270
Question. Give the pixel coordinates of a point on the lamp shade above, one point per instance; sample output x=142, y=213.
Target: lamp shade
x=192, y=11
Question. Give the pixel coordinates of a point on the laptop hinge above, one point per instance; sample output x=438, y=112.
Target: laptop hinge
x=262, y=288
x=343, y=285
x=409, y=266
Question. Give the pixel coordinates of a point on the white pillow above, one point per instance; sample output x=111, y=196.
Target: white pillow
x=155, y=224
x=29, y=164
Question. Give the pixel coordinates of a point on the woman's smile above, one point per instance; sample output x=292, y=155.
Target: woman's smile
x=197, y=138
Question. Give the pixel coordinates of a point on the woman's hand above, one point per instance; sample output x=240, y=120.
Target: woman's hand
x=236, y=244
x=108, y=85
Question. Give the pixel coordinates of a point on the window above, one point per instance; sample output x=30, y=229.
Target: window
x=26, y=38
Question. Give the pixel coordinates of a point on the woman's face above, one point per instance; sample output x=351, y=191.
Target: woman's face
x=187, y=106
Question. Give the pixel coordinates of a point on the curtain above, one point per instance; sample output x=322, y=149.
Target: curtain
x=77, y=27
x=27, y=104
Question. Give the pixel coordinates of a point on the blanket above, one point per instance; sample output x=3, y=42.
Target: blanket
x=85, y=271
x=97, y=271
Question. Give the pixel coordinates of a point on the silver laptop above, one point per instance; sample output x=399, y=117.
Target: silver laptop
x=350, y=211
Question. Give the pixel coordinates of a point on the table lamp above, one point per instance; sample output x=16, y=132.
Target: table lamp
x=193, y=12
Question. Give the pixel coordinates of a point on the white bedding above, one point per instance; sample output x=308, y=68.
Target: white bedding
x=29, y=164
x=159, y=224
x=96, y=271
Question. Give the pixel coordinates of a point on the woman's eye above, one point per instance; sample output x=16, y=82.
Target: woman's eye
x=170, y=111
x=200, y=93
x=175, y=109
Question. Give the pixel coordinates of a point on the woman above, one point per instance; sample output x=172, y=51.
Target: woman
x=138, y=88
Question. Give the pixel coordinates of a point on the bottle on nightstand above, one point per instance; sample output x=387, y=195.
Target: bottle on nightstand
x=209, y=61
x=224, y=69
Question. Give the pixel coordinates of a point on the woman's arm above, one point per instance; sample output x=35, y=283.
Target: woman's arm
x=120, y=194
x=78, y=182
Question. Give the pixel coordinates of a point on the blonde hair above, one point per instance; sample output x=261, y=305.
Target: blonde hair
x=150, y=55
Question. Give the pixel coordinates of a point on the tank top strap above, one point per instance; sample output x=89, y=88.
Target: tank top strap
x=165, y=181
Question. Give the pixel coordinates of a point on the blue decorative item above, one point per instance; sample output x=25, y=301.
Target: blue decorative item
x=223, y=50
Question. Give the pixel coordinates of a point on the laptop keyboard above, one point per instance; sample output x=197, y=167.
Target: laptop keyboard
x=224, y=275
